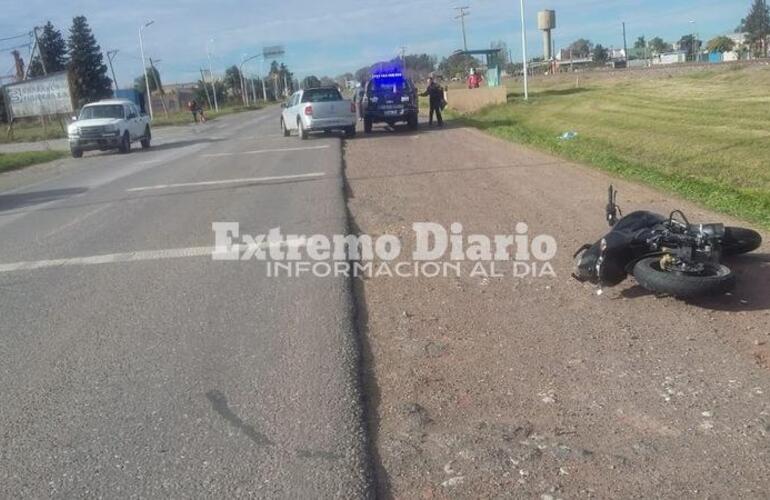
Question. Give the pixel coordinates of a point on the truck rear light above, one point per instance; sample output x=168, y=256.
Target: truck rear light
x=309, y=110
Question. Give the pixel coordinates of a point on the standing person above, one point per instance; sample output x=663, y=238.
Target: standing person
x=199, y=109
x=193, y=107
x=358, y=98
x=474, y=80
x=436, y=94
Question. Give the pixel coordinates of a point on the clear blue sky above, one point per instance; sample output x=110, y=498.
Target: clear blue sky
x=329, y=37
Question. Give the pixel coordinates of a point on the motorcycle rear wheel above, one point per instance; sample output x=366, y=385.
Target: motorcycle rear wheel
x=717, y=279
x=739, y=240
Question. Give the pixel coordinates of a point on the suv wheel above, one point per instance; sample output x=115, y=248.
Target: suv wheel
x=413, y=122
x=301, y=129
x=286, y=131
x=147, y=138
x=125, y=144
x=76, y=153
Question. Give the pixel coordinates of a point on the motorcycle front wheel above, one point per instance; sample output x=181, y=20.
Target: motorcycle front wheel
x=715, y=279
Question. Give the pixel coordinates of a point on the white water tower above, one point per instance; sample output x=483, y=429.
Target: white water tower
x=546, y=21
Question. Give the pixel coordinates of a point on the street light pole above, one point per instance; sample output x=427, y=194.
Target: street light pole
x=264, y=89
x=240, y=71
x=524, y=52
x=144, y=66
x=694, y=48
x=211, y=76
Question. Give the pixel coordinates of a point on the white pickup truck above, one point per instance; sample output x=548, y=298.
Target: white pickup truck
x=319, y=109
x=108, y=124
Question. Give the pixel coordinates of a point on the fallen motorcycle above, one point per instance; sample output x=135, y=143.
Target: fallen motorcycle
x=666, y=255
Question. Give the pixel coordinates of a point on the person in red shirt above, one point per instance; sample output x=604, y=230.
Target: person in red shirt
x=474, y=80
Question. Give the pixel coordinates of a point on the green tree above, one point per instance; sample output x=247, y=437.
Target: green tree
x=88, y=73
x=503, y=58
x=419, y=66
x=756, y=25
x=690, y=45
x=232, y=80
x=640, y=43
x=155, y=82
x=458, y=65
x=581, y=48
x=362, y=74
x=200, y=96
x=658, y=46
x=53, y=48
x=720, y=44
x=600, y=54
x=311, y=82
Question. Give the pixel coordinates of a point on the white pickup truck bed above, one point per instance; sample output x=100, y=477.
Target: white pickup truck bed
x=320, y=109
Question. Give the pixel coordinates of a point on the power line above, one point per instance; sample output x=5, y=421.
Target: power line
x=8, y=49
x=15, y=36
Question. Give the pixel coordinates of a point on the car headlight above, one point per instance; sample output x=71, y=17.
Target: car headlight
x=405, y=98
x=73, y=130
x=110, y=129
x=375, y=99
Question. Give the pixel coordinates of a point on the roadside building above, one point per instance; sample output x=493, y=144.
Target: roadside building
x=176, y=97
x=675, y=57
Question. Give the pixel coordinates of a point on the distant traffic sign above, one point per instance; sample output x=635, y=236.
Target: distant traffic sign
x=273, y=51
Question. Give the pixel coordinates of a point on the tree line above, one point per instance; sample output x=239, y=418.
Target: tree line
x=756, y=26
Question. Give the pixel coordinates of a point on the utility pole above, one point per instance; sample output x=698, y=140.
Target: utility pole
x=402, y=49
x=461, y=16
x=39, y=51
x=18, y=65
x=625, y=44
x=159, y=87
x=144, y=66
x=110, y=55
x=524, y=52
x=211, y=75
x=206, y=88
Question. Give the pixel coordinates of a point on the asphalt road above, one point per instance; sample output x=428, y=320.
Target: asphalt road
x=165, y=373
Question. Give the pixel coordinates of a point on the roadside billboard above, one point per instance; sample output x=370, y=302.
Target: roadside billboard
x=47, y=95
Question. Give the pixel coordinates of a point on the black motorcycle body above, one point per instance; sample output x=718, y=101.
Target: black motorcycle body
x=666, y=255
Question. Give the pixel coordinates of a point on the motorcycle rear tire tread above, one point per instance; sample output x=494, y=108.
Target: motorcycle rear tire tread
x=681, y=285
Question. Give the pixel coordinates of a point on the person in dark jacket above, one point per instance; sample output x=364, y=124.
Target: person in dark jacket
x=436, y=94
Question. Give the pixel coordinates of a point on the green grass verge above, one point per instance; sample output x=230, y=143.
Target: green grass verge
x=14, y=161
x=34, y=132
x=705, y=137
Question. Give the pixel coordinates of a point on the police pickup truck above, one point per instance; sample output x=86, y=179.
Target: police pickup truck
x=390, y=97
x=108, y=124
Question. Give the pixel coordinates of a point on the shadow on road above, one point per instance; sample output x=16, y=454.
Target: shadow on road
x=752, y=291
x=20, y=200
x=135, y=148
x=219, y=404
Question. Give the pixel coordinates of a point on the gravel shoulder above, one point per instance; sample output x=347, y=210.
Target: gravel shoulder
x=522, y=387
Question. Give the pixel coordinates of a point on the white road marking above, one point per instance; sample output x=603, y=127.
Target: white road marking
x=148, y=255
x=227, y=181
x=261, y=151
x=78, y=220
